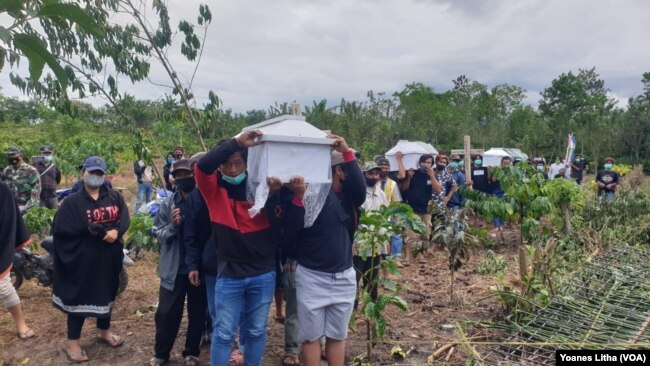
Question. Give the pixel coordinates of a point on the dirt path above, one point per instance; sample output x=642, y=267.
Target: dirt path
x=419, y=330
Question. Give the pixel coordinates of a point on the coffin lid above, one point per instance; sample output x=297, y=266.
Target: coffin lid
x=412, y=147
x=290, y=129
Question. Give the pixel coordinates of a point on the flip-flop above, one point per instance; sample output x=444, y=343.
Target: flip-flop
x=114, y=344
x=71, y=355
x=157, y=361
x=191, y=361
x=29, y=333
x=291, y=360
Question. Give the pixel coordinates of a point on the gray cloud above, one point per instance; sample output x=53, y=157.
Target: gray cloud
x=258, y=52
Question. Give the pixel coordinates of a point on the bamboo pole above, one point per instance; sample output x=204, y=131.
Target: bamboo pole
x=467, y=144
x=638, y=334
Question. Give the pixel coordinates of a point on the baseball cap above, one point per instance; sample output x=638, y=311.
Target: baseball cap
x=93, y=163
x=370, y=165
x=46, y=149
x=181, y=164
x=382, y=161
x=454, y=157
x=610, y=159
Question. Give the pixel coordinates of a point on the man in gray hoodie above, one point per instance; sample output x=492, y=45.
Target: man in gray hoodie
x=174, y=283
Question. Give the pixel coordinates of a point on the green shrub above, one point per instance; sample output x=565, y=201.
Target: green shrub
x=492, y=264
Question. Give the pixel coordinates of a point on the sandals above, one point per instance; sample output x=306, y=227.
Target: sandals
x=157, y=361
x=29, y=333
x=291, y=360
x=114, y=342
x=191, y=361
x=75, y=357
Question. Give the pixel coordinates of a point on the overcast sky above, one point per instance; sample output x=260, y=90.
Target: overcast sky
x=260, y=51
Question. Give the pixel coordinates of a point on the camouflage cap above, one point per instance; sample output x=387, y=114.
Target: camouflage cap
x=14, y=150
x=371, y=165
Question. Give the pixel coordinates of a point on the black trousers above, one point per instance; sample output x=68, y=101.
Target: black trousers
x=170, y=314
x=76, y=322
x=368, y=270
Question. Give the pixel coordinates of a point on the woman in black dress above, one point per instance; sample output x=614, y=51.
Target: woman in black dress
x=88, y=243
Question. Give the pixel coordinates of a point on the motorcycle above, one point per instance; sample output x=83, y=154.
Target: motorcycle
x=28, y=265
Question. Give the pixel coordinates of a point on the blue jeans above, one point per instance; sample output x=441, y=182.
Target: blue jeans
x=496, y=222
x=210, y=284
x=144, y=195
x=253, y=295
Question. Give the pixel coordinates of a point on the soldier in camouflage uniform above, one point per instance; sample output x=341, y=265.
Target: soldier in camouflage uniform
x=23, y=179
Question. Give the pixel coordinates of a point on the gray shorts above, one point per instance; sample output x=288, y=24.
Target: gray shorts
x=325, y=302
x=8, y=294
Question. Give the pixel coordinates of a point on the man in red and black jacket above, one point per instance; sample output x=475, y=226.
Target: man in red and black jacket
x=246, y=250
x=325, y=278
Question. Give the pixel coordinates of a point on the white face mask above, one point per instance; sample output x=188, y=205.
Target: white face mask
x=93, y=181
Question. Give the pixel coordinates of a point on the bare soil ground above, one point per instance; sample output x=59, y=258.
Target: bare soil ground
x=419, y=331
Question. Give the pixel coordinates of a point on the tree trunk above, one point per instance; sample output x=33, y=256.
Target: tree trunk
x=451, y=286
x=162, y=57
x=369, y=331
x=523, y=266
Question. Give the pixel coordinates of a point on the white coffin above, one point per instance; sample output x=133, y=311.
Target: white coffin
x=291, y=146
x=412, y=151
x=493, y=156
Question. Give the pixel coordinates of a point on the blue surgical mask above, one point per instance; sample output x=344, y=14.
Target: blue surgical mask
x=461, y=163
x=236, y=180
x=453, y=165
x=539, y=168
x=608, y=166
x=47, y=158
x=170, y=160
x=478, y=162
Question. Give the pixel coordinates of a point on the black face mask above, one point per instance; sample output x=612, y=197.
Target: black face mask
x=370, y=182
x=186, y=185
x=440, y=167
x=13, y=161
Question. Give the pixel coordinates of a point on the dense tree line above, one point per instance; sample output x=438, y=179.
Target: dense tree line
x=494, y=116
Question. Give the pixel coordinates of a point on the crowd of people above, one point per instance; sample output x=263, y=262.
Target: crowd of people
x=225, y=266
